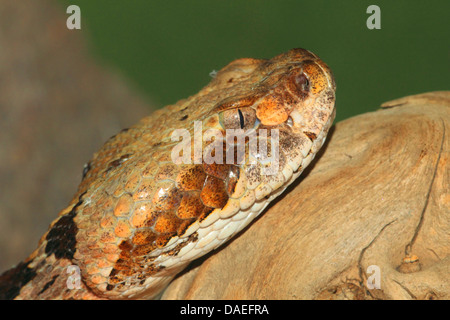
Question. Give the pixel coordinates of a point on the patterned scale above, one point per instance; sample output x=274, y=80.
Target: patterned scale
x=139, y=217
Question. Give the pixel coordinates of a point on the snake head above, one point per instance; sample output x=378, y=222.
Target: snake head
x=293, y=92
x=294, y=88
x=181, y=212
x=139, y=217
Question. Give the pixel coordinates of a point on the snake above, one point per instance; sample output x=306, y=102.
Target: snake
x=156, y=196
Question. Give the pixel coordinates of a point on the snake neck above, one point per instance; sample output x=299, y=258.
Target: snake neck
x=49, y=272
x=44, y=277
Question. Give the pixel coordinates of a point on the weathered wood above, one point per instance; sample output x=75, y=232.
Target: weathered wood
x=379, y=195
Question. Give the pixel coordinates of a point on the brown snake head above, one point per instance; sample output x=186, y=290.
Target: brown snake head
x=142, y=212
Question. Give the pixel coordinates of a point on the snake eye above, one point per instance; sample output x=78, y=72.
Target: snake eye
x=239, y=118
x=302, y=82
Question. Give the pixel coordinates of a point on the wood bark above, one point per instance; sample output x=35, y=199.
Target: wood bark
x=377, y=199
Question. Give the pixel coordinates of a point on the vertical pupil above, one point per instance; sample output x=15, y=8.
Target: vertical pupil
x=241, y=118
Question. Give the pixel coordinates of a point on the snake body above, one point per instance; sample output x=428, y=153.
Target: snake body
x=139, y=217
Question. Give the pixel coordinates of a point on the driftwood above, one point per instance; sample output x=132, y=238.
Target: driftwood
x=369, y=220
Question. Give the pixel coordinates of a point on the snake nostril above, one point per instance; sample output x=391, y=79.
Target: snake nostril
x=302, y=82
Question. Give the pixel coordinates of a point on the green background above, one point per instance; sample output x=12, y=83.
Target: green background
x=168, y=48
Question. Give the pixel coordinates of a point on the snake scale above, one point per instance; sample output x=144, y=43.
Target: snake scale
x=139, y=217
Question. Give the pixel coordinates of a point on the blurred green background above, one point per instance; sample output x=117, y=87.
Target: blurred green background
x=168, y=48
